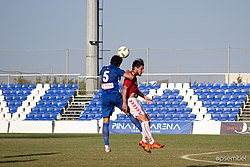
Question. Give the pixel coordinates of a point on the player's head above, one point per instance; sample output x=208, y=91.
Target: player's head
x=116, y=61
x=138, y=66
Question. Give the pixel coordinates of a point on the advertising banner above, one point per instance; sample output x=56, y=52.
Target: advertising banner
x=235, y=128
x=127, y=127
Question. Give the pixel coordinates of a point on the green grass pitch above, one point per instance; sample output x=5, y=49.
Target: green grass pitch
x=68, y=150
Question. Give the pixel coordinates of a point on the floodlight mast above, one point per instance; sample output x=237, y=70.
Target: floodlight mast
x=92, y=47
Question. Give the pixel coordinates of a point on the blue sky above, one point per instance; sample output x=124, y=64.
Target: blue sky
x=61, y=24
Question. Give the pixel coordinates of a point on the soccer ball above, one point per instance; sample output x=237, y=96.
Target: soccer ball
x=123, y=51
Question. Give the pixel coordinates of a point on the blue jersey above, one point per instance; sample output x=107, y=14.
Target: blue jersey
x=110, y=76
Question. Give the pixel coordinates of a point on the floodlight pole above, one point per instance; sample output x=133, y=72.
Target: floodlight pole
x=228, y=65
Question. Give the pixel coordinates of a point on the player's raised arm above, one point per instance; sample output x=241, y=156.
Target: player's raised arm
x=128, y=75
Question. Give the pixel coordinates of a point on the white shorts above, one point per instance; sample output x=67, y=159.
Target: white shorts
x=135, y=107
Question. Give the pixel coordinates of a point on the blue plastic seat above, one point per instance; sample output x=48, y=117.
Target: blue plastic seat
x=238, y=104
x=191, y=117
x=175, y=92
x=187, y=110
x=168, y=117
x=247, y=86
x=183, y=117
x=183, y=104
x=231, y=117
x=171, y=110
x=222, y=104
x=175, y=117
x=227, y=110
x=232, y=86
x=193, y=86
x=179, y=110
x=210, y=110
x=215, y=117
x=206, y=92
x=206, y=104
x=201, y=85
x=141, y=86
x=244, y=91
x=213, y=92
x=197, y=92
x=233, y=98
x=167, y=104
x=214, y=104
x=83, y=117
x=218, y=111
x=223, y=117
x=220, y=92
x=235, y=111
x=178, y=98
x=225, y=98
x=210, y=97
x=230, y=104
x=224, y=86
x=236, y=92
x=149, y=86
x=241, y=98
x=216, y=85
x=156, y=86
x=202, y=98
x=167, y=92
x=217, y=98
x=159, y=117
x=4, y=86
x=208, y=85
x=175, y=104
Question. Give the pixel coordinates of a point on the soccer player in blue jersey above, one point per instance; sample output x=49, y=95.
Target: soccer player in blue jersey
x=111, y=96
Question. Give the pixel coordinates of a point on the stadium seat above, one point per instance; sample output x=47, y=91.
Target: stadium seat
x=235, y=111
x=191, y=117
x=223, y=117
x=208, y=85
x=183, y=117
x=216, y=85
x=231, y=117
x=224, y=86
x=215, y=117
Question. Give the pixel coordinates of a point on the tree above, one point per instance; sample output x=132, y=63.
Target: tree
x=21, y=80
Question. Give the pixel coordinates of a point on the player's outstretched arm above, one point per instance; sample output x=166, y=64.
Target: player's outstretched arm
x=128, y=75
x=124, y=99
x=148, y=100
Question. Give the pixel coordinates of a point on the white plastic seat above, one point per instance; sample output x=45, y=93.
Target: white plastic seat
x=46, y=86
x=39, y=86
x=164, y=86
x=190, y=92
x=190, y=104
x=183, y=92
x=187, y=98
x=203, y=110
x=171, y=86
x=198, y=104
x=195, y=110
x=207, y=117
x=178, y=86
x=159, y=92
x=199, y=117
x=186, y=86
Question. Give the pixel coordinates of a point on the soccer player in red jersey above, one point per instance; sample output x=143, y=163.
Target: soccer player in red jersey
x=130, y=93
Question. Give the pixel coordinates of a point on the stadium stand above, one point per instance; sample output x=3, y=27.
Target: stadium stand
x=188, y=102
x=34, y=102
x=171, y=102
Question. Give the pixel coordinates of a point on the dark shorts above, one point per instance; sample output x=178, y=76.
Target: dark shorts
x=109, y=101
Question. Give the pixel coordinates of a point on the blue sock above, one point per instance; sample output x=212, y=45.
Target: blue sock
x=135, y=121
x=105, y=132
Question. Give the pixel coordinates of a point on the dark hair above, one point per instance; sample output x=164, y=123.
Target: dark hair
x=137, y=63
x=116, y=60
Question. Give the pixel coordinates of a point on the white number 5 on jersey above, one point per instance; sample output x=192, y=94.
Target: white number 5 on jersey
x=105, y=76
